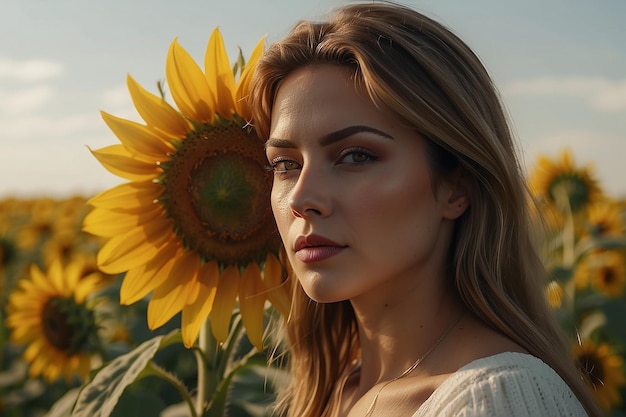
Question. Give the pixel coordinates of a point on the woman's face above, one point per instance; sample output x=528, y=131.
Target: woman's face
x=352, y=191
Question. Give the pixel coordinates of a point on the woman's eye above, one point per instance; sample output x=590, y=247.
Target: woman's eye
x=356, y=157
x=281, y=166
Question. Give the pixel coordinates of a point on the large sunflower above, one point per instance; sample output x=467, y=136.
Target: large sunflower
x=561, y=183
x=49, y=313
x=193, y=226
x=603, y=371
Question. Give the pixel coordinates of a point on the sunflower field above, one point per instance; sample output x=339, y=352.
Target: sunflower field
x=62, y=319
x=155, y=297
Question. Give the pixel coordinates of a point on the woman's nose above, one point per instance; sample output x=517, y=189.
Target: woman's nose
x=311, y=195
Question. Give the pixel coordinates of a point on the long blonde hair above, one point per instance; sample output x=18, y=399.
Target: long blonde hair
x=418, y=70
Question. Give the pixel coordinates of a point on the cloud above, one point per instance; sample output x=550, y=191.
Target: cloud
x=29, y=70
x=24, y=100
x=603, y=94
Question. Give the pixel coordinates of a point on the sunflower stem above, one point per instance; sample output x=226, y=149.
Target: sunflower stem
x=568, y=238
x=156, y=370
x=206, y=357
x=229, y=346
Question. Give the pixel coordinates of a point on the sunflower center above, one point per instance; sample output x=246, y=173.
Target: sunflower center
x=608, y=276
x=217, y=194
x=571, y=186
x=68, y=326
x=223, y=193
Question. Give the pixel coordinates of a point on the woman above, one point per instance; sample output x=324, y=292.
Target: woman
x=402, y=209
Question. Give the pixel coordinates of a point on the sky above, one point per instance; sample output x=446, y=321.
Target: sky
x=560, y=67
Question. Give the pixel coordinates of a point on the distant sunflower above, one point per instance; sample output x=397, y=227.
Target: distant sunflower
x=48, y=312
x=609, y=276
x=194, y=224
x=603, y=371
x=605, y=271
x=562, y=183
x=605, y=219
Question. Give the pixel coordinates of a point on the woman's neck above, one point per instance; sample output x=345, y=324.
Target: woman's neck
x=397, y=329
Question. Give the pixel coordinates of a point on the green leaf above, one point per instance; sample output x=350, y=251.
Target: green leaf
x=99, y=397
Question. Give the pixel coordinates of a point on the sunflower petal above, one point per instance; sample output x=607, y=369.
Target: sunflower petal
x=107, y=223
x=41, y=281
x=87, y=286
x=137, y=138
x=188, y=85
x=219, y=75
x=118, y=161
x=252, y=303
x=171, y=296
x=195, y=314
x=130, y=194
x=156, y=112
x=224, y=303
x=136, y=247
x=243, y=86
x=140, y=281
x=278, y=291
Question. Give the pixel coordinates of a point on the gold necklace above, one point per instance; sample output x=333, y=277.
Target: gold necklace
x=414, y=365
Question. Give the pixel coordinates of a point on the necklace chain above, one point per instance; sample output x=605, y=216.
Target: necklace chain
x=414, y=365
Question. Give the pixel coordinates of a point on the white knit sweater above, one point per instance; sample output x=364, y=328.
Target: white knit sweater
x=504, y=385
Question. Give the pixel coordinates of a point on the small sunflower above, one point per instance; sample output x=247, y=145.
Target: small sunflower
x=193, y=226
x=603, y=371
x=605, y=219
x=563, y=184
x=49, y=313
x=605, y=271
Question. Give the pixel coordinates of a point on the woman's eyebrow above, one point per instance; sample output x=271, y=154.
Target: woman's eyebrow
x=341, y=134
x=329, y=138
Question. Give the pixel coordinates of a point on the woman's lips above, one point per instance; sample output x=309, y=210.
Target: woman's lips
x=315, y=248
x=317, y=253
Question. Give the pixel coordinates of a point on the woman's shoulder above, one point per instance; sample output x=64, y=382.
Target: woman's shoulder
x=504, y=384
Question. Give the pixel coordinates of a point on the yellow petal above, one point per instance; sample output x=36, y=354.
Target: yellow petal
x=137, y=138
x=108, y=223
x=24, y=332
x=243, y=87
x=171, y=296
x=42, y=281
x=195, y=314
x=224, y=303
x=117, y=160
x=219, y=75
x=156, y=112
x=134, y=248
x=251, y=303
x=188, y=85
x=87, y=286
x=140, y=281
x=130, y=194
x=33, y=350
x=278, y=291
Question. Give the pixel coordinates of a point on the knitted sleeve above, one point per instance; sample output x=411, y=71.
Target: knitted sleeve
x=504, y=385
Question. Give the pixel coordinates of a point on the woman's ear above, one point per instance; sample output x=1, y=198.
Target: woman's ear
x=457, y=196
